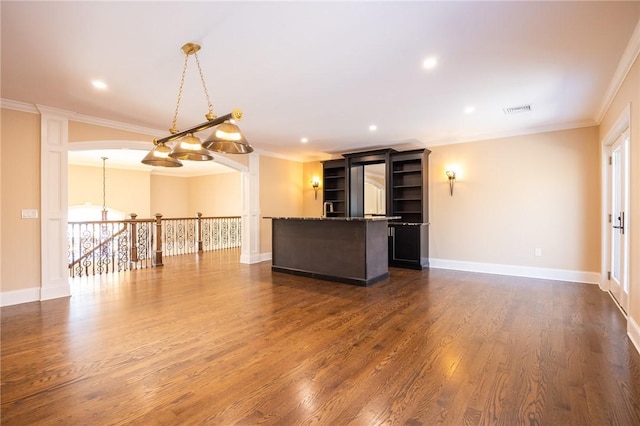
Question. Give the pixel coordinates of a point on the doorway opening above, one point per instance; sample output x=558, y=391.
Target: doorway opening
x=616, y=214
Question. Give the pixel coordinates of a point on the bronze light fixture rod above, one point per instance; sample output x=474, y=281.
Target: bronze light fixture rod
x=236, y=114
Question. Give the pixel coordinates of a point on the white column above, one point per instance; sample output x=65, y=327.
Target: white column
x=250, y=252
x=54, y=139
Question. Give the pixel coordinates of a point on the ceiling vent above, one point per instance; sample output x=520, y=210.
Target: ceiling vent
x=516, y=109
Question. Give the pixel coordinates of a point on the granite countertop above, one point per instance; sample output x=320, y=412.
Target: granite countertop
x=352, y=219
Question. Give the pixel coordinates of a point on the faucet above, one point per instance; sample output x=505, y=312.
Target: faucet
x=329, y=205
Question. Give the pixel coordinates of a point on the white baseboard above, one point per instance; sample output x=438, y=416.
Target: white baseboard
x=16, y=297
x=55, y=292
x=518, y=271
x=256, y=258
x=633, y=331
x=33, y=294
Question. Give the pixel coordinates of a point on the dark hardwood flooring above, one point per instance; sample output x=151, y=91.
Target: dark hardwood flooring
x=206, y=340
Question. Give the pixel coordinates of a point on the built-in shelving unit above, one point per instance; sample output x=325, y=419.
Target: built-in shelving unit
x=408, y=186
x=335, y=186
x=409, y=236
x=407, y=197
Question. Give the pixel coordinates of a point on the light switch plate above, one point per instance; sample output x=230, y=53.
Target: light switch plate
x=29, y=213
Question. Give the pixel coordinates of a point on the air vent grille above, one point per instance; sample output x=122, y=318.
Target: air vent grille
x=517, y=109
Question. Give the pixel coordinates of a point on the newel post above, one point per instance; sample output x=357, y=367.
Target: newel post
x=133, y=232
x=199, y=223
x=158, y=239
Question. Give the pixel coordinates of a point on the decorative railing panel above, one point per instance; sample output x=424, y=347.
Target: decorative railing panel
x=99, y=247
x=221, y=233
x=179, y=236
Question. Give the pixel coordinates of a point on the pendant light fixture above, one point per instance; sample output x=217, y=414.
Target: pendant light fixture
x=226, y=138
x=159, y=156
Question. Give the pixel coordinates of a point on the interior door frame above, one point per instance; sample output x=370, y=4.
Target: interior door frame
x=621, y=285
x=621, y=126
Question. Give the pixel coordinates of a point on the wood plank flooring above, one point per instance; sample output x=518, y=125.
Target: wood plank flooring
x=206, y=340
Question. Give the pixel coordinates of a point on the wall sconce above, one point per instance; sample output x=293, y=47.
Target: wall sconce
x=451, y=175
x=315, y=183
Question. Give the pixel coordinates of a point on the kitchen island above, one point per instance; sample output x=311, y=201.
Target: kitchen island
x=352, y=250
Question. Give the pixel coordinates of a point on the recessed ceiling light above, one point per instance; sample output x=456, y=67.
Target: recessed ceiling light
x=304, y=140
x=373, y=128
x=100, y=85
x=469, y=110
x=430, y=63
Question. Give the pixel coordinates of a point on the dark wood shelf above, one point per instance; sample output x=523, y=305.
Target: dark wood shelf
x=406, y=186
x=400, y=172
x=334, y=188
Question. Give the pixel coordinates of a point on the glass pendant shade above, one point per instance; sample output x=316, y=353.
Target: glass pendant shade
x=190, y=148
x=227, y=138
x=159, y=156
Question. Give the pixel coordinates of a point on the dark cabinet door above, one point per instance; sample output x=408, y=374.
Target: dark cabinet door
x=409, y=246
x=406, y=243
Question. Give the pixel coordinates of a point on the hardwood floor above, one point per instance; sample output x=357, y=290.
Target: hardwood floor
x=206, y=340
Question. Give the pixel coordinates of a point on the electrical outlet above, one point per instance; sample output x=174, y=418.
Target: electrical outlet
x=537, y=252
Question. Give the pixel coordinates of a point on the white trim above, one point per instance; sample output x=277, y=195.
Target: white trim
x=633, y=331
x=16, y=297
x=621, y=125
x=110, y=144
x=55, y=291
x=629, y=56
x=80, y=118
x=103, y=122
x=18, y=106
x=54, y=140
x=522, y=132
x=256, y=258
x=250, y=252
x=297, y=158
x=518, y=271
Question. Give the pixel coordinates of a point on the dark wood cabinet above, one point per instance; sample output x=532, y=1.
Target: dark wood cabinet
x=407, y=197
x=335, y=186
x=409, y=245
x=409, y=193
x=409, y=186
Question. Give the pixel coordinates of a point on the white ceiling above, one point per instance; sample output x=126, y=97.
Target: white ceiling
x=322, y=70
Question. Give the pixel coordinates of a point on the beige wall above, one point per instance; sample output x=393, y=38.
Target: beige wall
x=216, y=195
x=20, y=238
x=514, y=195
x=146, y=195
x=81, y=132
x=629, y=94
x=281, y=194
x=170, y=196
x=126, y=190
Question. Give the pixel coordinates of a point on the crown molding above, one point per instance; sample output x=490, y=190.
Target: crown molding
x=629, y=56
x=18, y=106
x=81, y=118
x=523, y=132
x=103, y=122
